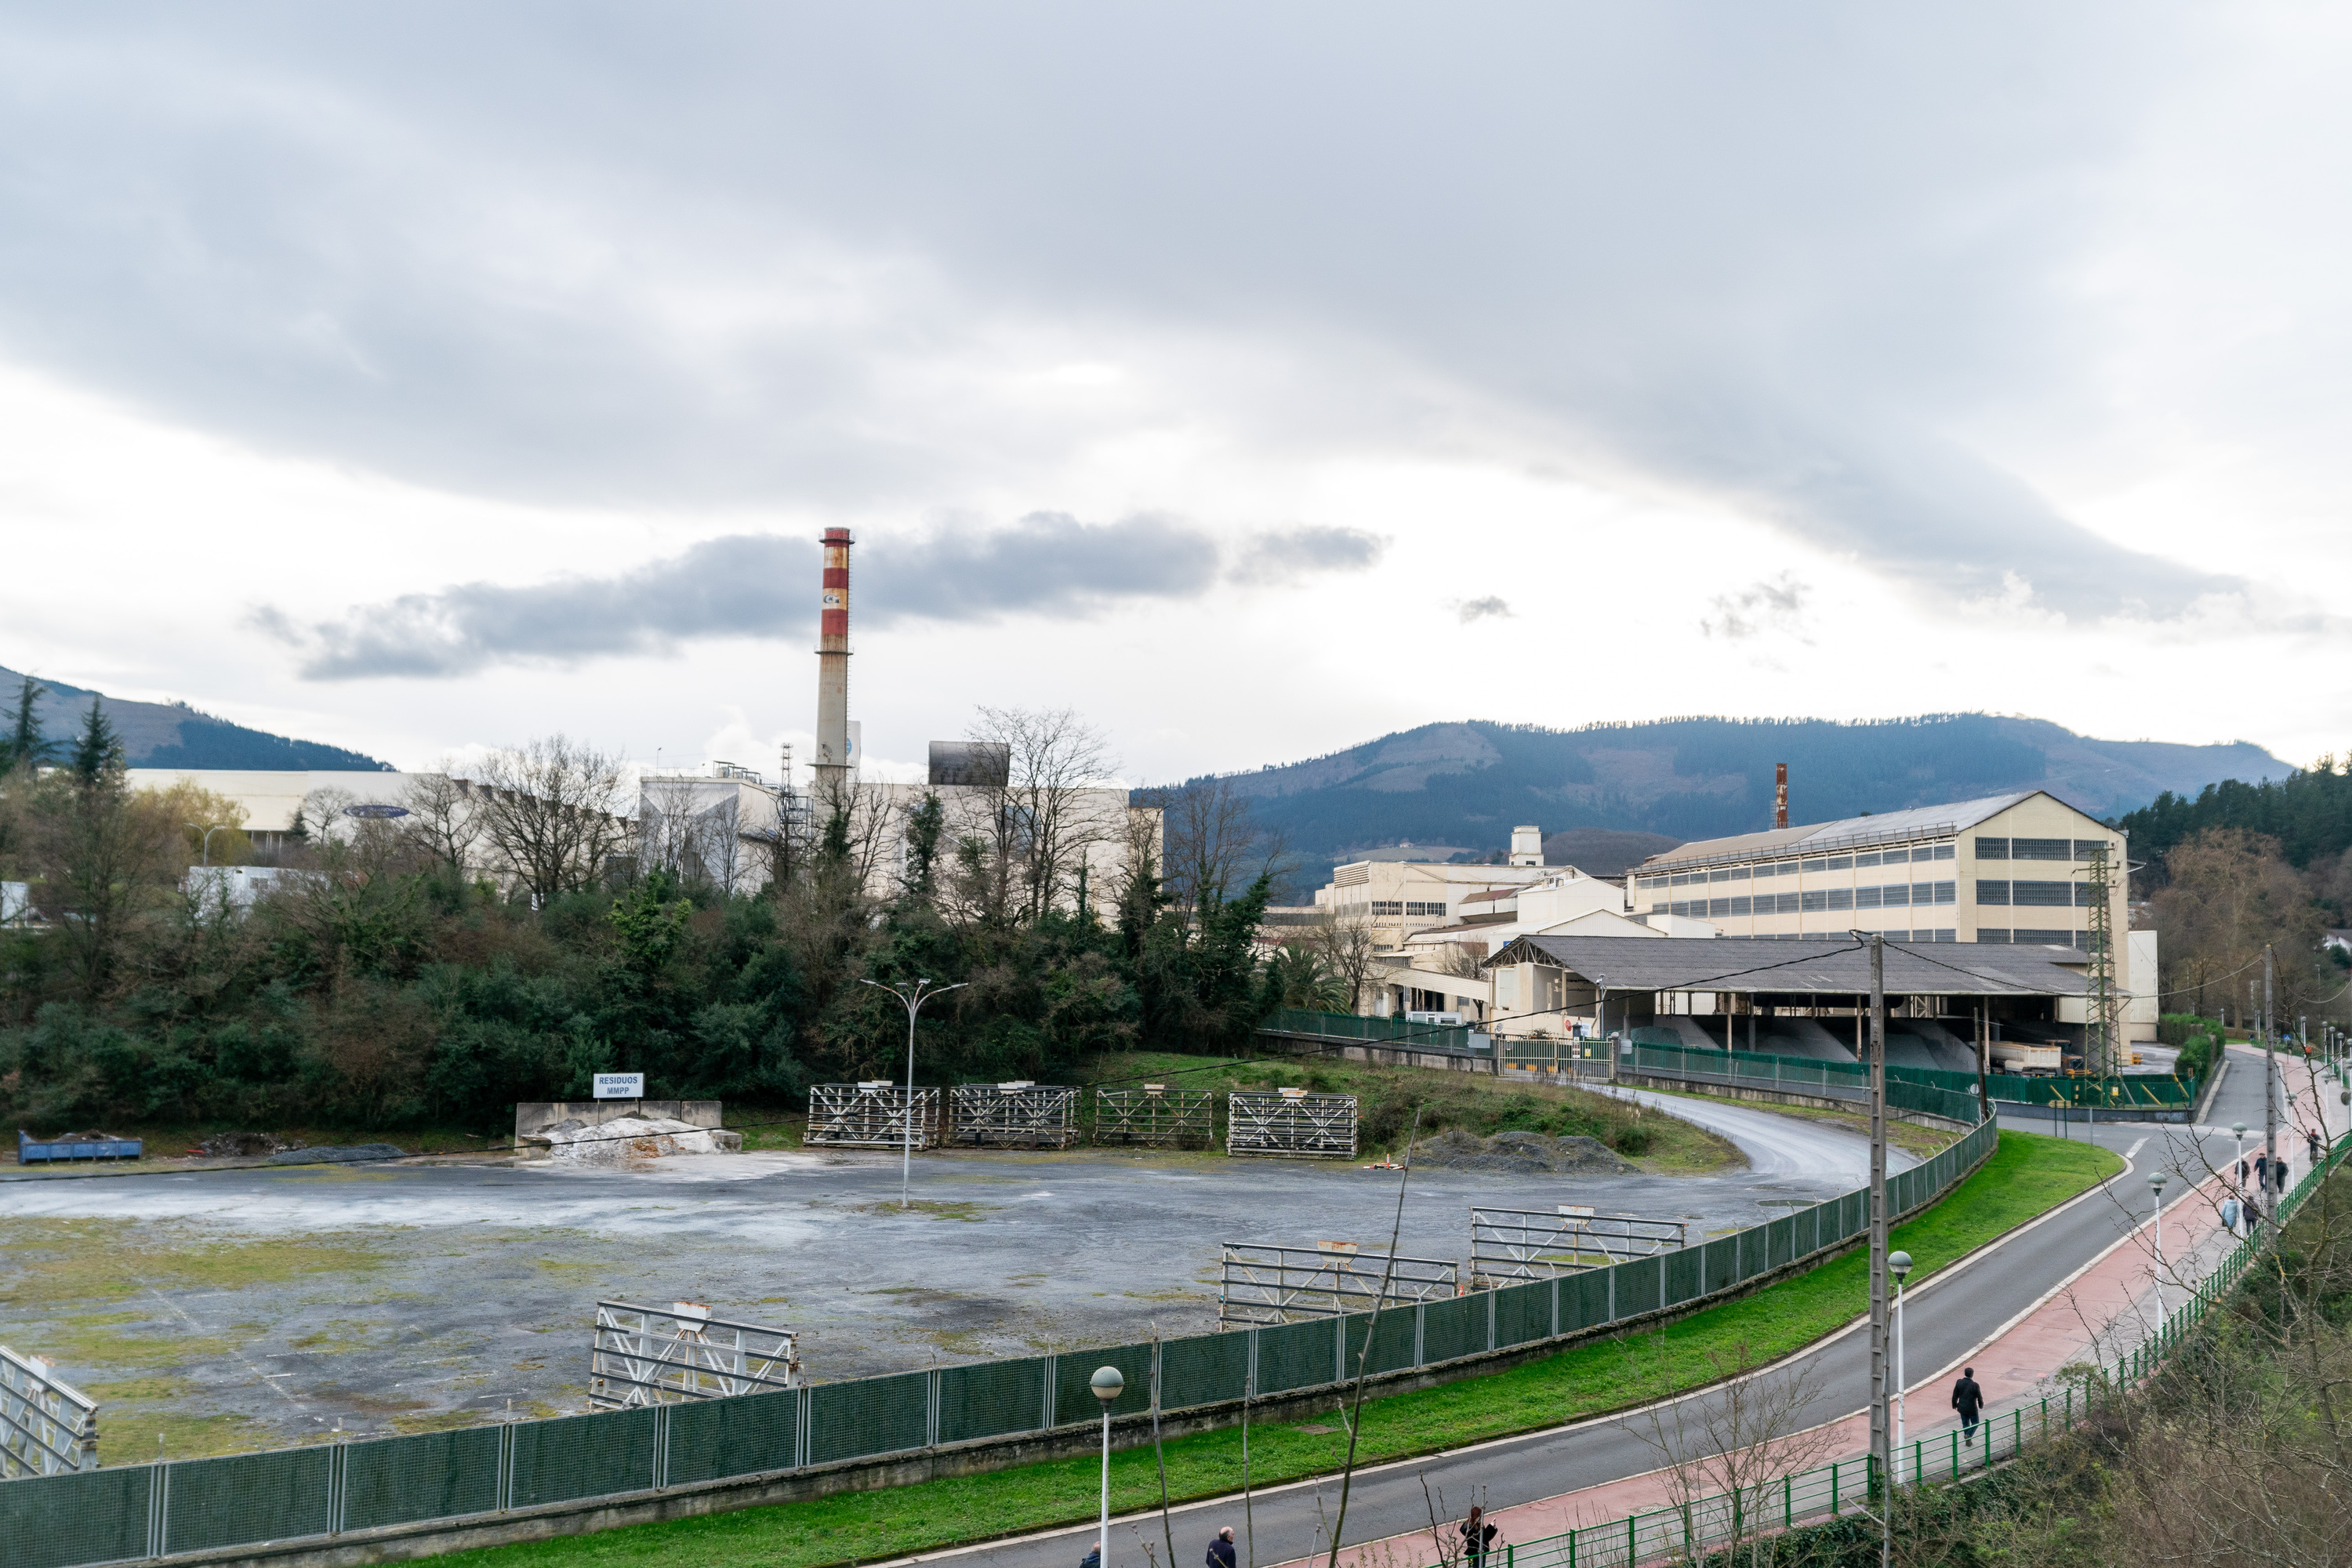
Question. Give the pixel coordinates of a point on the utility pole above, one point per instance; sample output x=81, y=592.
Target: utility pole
x=1882, y=1436
x=2270, y=1085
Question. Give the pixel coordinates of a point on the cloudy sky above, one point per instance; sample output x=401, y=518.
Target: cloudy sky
x=1254, y=379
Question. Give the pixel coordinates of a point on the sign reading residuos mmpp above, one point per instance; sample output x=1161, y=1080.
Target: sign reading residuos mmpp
x=620, y=1086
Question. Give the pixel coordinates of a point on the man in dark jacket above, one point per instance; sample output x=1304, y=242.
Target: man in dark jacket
x=1221, y=1550
x=1968, y=1399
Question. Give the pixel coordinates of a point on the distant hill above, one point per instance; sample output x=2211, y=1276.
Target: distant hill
x=175, y=735
x=1470, y=783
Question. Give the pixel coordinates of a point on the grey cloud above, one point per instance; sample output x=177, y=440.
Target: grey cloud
x=1489, y=607
x=1288, y=556
x=769, y=252
x=764, y=585
x=1775, y=604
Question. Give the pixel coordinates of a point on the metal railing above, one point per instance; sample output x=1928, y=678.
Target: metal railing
x=1528, y=1244
x=1448, y=1039
x=47, y=1427
x=643, y=1356
x=1261, y=1283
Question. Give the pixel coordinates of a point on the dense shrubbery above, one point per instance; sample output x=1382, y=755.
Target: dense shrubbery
x=383, y=986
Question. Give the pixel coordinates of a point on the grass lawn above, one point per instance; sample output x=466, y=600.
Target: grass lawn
x=2026, y=1176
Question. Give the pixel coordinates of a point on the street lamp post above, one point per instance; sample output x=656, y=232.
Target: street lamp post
x=913, y=1001
x=1108, y=1385
x=206, y=858
x=2156, y=1185
x=1899, y=1265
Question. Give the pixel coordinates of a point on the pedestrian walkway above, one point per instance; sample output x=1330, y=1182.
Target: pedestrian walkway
x=2095, y=1317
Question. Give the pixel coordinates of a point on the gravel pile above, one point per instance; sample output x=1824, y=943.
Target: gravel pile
x=626, y=1139
x=1520, y=1154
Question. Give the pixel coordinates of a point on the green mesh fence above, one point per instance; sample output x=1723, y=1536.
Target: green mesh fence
x=1203, y=1370
x=1294, y=1355
x=989, y=1398
x=1391, y=1341
x=712, y=1438
x=1686, y=1274
x=1523, y=1312
x=1779, y=1243
x=1453, y=1327
x=1638, y=1283
x=1584, y=1301
x=248, y=1496
x=90, y=1516
x=1715, y=1261
x=581, y=1455
x=1074, y=1370
x=872, y=1416
x=434, y=1475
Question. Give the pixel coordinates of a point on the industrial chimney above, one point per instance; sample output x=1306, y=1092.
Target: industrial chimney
x=1780, y=773
x=832, y=758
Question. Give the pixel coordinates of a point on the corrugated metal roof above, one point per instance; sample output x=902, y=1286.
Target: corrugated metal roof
x=1888, y=827
x=1831, y=966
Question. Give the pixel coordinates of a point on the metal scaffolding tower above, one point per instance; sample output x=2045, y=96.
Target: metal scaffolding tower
x=2104, y=1010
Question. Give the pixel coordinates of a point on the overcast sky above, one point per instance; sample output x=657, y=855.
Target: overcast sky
x=1254, y=379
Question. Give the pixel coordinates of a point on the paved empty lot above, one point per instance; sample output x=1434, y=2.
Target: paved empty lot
x=229, y=1308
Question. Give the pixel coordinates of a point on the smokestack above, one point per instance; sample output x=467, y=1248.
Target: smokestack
x=1779, y=785
x=833, y=757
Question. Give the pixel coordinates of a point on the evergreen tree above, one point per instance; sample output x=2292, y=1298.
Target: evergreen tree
x=98, y=752
x=25, y=745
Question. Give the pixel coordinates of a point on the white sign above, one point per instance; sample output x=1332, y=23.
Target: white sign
x=620, y=1086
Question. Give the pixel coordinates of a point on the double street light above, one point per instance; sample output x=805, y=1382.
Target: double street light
x=913, y=1001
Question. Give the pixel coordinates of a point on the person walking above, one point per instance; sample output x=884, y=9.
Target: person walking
x=2311, y=1142
x=1969, y=1400
x=1221, y=1550
x=1093, y=1559
x=1476, y=1536
x=2263, y=1173
x=2230, y=1210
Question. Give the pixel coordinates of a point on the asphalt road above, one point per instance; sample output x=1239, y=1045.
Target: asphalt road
x=1948, y=1317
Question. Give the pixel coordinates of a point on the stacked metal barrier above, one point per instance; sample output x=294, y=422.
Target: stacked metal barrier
x=1266, y=1284
x=1155, y=1116
x=1021, y=1115
x=643, y=1356
x=873, y=1115
x=47, y=1427
x=1291, y=1124
x=1526, y=1244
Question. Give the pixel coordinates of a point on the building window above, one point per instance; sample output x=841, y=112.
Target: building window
x=1417, y=909
x=2044, y=938
x=1945, y=892
x=1840, y=898
x=1991, y=892
x=1946, y=852
x=1718, y=909
x=1984, y=934
x=1739, y=874
x=1865, y=898
x=2042, y=895
x=1838, y=863
x=2041, y=849
x=1992, y=849
x=1387, y=906
x=1787, y=903
x=1655, y=881
x=1817, y=900
x=1894, y=895
x=2086, y=848
x=1870, y=859
x=1943, y=933
x=1657, y=908
x=1739, y=906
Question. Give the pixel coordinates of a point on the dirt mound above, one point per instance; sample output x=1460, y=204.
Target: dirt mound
x=626, y=1139
x=1520, y=1154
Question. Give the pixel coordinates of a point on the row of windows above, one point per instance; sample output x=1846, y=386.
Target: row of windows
x=2039, y=938
x=1406, y=907
x=1790, y=867
x=1941, y=934
x=1891, y=895
x=2039, y=849
x=2047, y=895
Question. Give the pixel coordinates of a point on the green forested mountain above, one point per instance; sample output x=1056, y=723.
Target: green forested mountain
x=2309, y=812
x=175, y=735
x=1465, y=785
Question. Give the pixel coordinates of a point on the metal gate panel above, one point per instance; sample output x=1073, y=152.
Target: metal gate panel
x=1074, y=1370
x=1263, y=1283
x=870, y=1415
x=745, y=1436
x=989, y=1398
x=86, y=1516
x=1156, y=1116
x=1203, y=1370
x=433, y=1475
x=1528, y=1244
x=581, y=1455
x=247, y=1497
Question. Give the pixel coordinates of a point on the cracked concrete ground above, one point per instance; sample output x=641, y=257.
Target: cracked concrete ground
x=249, y=1308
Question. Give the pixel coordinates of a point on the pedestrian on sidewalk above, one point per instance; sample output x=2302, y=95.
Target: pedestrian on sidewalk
x=2263, y=1172
x=1221, y=1550
x=2231, y=1209
x=1476, y=1536
x=2311, y=1139
x=2278, y=1172
x=1093, y=1559
x=1968, y=1399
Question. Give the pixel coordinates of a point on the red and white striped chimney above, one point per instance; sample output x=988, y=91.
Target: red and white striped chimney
x=833, y=757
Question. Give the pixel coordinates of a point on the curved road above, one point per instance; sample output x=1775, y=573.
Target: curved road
x=1777, y=1145
x=1949, y=1316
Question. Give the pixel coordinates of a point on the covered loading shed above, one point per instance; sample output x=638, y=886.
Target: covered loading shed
x=1805, y=998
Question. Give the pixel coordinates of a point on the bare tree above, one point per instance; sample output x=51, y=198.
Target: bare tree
x=444, y=819
x=1727, y=1447
x=551, y=810
x=1464, y=959
x=1048, y=813
x=1349, y=949
x=1216, y=846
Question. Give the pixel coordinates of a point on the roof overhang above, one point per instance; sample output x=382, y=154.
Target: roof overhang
x=1838, y=966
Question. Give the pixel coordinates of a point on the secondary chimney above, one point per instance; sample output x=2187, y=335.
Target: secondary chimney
x=1780, y=777
x=833, y=757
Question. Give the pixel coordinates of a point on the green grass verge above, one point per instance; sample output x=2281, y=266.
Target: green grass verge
x=2026, y=1176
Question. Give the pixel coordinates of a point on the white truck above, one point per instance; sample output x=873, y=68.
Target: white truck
x=2026, y=1057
